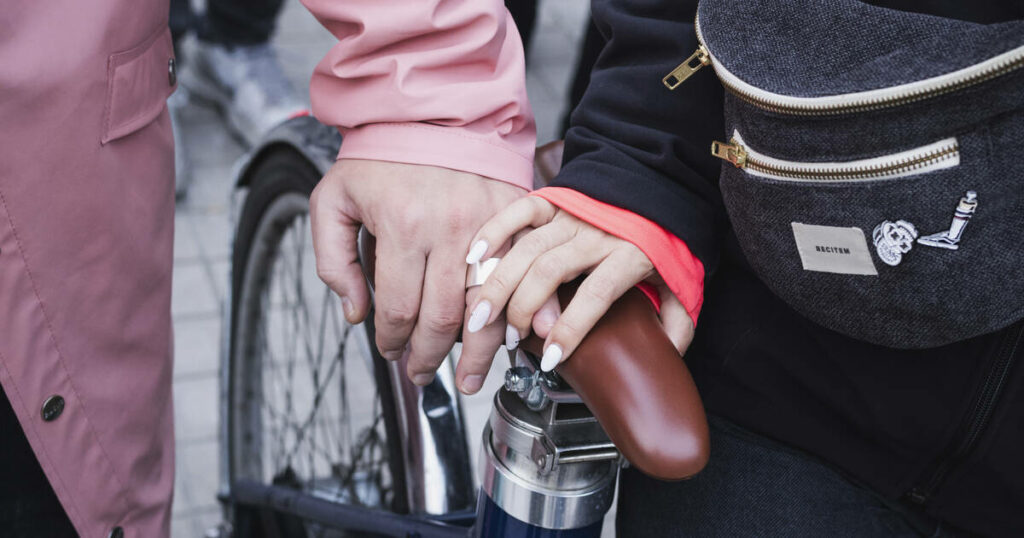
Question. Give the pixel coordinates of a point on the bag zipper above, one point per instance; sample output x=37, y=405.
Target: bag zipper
x=935, y=156
x=902, y=94
x=981, y=413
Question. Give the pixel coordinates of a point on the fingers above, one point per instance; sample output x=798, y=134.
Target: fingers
x=478, y=351
x=621, y=270
x=543, y=320
x=399, y=278
x=530, y=211
x=506, y=277
x=335, y=243
x=440, y=314
x=675, y=319
x=549, y=271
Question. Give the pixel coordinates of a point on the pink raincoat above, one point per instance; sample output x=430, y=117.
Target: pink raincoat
x=86, y=206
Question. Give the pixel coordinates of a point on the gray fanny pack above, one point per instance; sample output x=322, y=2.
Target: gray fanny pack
x=874, y=179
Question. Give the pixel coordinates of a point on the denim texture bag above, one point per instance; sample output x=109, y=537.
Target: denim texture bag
x=874, y=178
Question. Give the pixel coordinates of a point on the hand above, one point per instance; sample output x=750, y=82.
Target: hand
x=561, y=248
x=423, y=218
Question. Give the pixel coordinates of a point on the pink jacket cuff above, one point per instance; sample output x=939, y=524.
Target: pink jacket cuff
x=448, y=147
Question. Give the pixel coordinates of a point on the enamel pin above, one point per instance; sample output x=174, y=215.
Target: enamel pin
x=950, y=239
x=893, y=240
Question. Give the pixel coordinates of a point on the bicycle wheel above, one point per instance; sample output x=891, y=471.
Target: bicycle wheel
x=309, y=406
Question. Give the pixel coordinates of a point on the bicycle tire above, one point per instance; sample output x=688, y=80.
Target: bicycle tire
x=279, y=188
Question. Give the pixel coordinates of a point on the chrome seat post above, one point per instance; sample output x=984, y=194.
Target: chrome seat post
x=545, y=460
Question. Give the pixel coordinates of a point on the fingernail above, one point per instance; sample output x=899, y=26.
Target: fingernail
x=391, y=355
x=472, y=384
x=346, y=307
x=476, y=252
x=422, y=379
x=479, y=317
x=552, y=356
x=511, y=337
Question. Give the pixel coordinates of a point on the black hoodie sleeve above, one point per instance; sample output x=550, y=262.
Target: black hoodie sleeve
x=637, y=145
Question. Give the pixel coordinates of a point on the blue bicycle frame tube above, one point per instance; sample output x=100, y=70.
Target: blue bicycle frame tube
x=493, y=522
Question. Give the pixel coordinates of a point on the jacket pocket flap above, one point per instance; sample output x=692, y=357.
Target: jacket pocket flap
x=139, y=81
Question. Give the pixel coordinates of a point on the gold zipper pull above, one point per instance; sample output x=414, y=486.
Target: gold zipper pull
x=731, y=152
x=686, y=69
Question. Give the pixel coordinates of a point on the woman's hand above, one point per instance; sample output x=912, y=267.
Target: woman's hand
x=560, y=248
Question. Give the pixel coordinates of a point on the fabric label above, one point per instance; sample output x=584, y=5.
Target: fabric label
x=831, y=249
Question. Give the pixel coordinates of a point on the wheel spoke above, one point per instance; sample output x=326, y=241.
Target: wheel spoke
x=310, y=417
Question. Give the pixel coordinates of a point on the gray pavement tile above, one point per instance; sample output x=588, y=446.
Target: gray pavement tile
x=195, y=409
x=186, y=248
x=298, y=60
x=195, y=524
x=219, y=273
x=192, y=292
x=212, y=235
x=199, y=462
x=210, y=192
x=196, y=347
x=204, y=136
x=182, y=498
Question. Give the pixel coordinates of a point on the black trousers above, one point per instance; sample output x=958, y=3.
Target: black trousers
x=28, y=505
x=230, y=22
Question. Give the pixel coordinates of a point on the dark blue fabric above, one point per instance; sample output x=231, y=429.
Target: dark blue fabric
x=888, y=417
x=28, y=506
x=811, y=48
x=636, y=145
x=807, y=47
x=755, y=487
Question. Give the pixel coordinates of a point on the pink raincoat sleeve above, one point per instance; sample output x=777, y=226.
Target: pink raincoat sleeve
x=436, y=82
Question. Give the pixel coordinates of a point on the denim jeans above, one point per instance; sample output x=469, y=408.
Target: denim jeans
x=230, y=22
x=754, y=486
x=28, y=506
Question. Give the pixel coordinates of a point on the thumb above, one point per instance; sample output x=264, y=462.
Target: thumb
x=335, y=243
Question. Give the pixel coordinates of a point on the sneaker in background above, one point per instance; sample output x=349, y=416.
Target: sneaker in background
x=247, y=83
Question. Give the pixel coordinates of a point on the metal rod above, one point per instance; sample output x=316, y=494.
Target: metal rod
x=340, y=516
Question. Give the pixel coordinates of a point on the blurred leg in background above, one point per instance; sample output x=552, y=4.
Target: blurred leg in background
x=524, y=12
x=234, y=67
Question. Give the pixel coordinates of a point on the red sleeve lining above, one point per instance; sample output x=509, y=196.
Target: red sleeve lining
x=680, y=269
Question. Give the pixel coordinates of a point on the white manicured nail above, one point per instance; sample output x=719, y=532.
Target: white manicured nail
x=511, y=337
x=478, y=318
x=476, y=252
x=552, y=356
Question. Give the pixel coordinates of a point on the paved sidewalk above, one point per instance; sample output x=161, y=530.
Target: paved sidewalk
x=201, y=249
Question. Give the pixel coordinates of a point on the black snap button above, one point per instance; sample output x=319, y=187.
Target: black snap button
x=52, y=408
x=116, y=532
x=172, y=72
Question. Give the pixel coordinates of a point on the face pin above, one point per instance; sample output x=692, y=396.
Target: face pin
x=893, y=240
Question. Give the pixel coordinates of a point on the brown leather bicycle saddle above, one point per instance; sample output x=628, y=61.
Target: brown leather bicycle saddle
x=631, y=377
x=628, y=374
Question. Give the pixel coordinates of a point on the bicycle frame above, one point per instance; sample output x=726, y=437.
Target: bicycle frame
x=547, y=468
